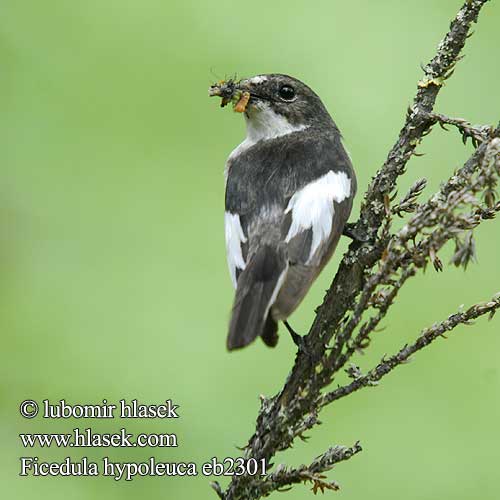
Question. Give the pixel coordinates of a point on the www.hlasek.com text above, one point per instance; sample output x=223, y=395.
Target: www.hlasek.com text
x=86, y=438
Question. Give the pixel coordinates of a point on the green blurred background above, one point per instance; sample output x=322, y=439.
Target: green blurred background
x=113, y=273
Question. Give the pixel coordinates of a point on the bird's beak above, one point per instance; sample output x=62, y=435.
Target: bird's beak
x=231, y=91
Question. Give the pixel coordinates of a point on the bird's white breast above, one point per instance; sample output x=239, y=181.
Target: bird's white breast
x=264, y=124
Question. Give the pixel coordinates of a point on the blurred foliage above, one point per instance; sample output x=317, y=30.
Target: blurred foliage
x=114, y=280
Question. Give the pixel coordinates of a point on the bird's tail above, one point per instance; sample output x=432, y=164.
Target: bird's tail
x=258, y=287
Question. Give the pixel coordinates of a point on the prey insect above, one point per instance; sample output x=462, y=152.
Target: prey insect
x=229, y=92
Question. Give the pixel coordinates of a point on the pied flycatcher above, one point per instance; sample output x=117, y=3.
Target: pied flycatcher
x=289, y=191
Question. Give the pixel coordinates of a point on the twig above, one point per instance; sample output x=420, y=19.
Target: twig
x=477, y=133
x=408, y=203
x=427, y=337
x=283, y=476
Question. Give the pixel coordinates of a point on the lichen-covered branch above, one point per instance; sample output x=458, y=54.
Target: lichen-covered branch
x=284, y=477
x=454, y=210
x=427, y=336
x=374, y=270
x=477, y=133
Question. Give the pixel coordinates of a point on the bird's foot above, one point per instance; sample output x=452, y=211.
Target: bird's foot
x=350, y=232
x=299, y=340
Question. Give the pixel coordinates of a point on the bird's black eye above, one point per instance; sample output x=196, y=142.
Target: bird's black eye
x=287, y=93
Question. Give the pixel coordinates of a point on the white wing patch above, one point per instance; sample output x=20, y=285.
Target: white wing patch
x=312, y=207
x=234, y=238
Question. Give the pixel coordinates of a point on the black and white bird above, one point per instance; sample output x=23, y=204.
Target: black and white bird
x=289, y=192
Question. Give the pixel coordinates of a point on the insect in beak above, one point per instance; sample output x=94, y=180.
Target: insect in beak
x=229, y=92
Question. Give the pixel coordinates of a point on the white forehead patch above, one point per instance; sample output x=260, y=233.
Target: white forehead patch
x=258, y=79
x=312, y=207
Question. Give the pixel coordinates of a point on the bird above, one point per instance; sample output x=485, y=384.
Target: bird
x=289, y=190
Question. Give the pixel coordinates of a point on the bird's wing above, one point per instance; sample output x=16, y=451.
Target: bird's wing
x=315, y=216
x=235, y=245
x=296, y=194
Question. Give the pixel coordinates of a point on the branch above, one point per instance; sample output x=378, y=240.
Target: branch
x=448, y=213
x=313, y=473
x=371, y=274
x=477, y=133
x=427, y=336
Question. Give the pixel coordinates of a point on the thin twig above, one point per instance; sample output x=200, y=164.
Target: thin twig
x=427, y=336
x=477, y=133
x=314, y=473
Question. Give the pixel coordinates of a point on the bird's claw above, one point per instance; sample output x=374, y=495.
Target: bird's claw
x=300, y=341
x=351, y=232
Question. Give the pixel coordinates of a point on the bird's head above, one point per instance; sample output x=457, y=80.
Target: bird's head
x=273, y=101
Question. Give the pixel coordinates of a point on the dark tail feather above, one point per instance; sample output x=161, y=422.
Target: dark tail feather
x=270, y=333
x=256, y=286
